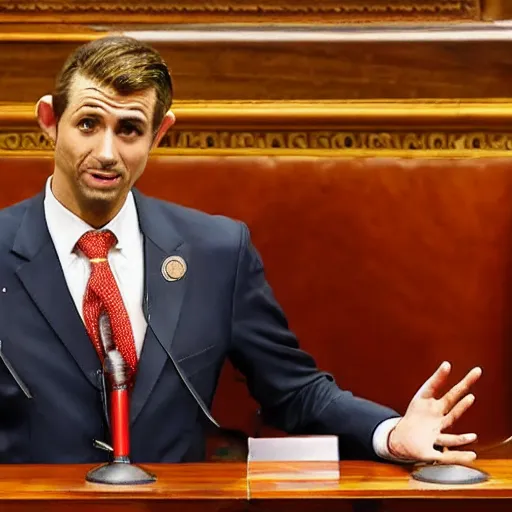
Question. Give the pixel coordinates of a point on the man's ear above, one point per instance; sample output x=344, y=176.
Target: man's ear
x=46, y=116
x=168, y=120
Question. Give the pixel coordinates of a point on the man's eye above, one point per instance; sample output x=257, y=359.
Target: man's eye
x=87, y=124
x=130, y=130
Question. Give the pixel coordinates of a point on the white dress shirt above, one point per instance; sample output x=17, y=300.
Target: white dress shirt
x=126, y=260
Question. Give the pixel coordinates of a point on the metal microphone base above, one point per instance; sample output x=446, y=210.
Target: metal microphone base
x=450, y=474
x=119, y=473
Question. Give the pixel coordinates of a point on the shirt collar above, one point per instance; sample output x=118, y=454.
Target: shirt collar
x=66, y=228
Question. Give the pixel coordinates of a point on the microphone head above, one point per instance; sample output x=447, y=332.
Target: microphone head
x=106, y=332
x=116, y=369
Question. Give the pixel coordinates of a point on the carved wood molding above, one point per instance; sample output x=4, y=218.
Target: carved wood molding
x=302, y=128
x=242, y=10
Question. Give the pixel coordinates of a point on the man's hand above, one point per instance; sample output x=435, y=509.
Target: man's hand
x=427, y=416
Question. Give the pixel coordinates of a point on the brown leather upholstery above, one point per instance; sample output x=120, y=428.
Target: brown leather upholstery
x=385, y=267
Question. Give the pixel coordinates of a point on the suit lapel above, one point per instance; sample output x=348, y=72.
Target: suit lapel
x=43, y=279
x=163, y=299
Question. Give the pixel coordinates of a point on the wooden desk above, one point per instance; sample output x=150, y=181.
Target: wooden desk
x=180, y=487
x=224, y=487
x=372, y=487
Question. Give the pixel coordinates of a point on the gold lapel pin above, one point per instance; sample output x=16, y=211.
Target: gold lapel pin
x=174, y=268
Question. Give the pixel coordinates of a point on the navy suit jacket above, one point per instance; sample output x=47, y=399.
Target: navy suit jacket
x=222, y=308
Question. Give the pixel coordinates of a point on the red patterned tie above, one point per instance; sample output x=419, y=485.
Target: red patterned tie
x=102, y=294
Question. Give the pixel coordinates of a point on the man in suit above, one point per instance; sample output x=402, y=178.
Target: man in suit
x=174, y=283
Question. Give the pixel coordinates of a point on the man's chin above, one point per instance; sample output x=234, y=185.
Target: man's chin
x=102, y=202
x=105, y=197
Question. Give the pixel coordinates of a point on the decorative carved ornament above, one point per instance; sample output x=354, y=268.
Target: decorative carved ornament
x=296, y=142
x=285, y=10
x=242, y=142
x=300, y=128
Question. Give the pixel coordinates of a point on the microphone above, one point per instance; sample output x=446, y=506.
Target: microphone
x=120, y=471
x=117, y=373
x=105, y=330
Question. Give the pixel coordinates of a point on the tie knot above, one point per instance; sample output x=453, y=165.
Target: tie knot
x=96, y=244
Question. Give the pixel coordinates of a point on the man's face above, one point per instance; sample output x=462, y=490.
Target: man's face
x=102, y=146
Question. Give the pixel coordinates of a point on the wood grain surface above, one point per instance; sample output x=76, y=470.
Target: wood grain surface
x=271, y=69
x=224, y=487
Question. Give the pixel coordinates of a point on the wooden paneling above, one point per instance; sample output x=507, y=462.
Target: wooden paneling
x=385, y=267
x=272, y=70
x=338, y=70
x=194, y=11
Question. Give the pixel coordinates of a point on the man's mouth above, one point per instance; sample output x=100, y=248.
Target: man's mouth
x=105, y=176
x=100, y=178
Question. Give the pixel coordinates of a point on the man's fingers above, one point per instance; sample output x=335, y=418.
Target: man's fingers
x=460, y=389
x=451, y=440
x=454, y=457
x=433, y=385
x=457, y=411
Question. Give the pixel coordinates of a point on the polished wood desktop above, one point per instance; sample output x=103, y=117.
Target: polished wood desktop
x=374, y=487
x=180, y=487
x=362, y=487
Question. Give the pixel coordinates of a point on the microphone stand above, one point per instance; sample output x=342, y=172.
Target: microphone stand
x=453, y=474
x=458, y=474
x=449, y=474
x=120, y=471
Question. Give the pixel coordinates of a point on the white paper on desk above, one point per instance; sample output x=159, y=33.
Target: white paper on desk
x=298, y=448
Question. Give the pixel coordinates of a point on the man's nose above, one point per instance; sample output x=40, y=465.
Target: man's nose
x=107, y=154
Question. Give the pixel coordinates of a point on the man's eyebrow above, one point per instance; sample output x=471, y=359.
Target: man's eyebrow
x=86, y=105
x=133, y=118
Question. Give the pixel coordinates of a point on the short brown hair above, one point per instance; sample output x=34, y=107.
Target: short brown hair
x=123, y=63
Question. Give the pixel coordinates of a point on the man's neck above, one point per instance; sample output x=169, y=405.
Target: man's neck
x=94, y=215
